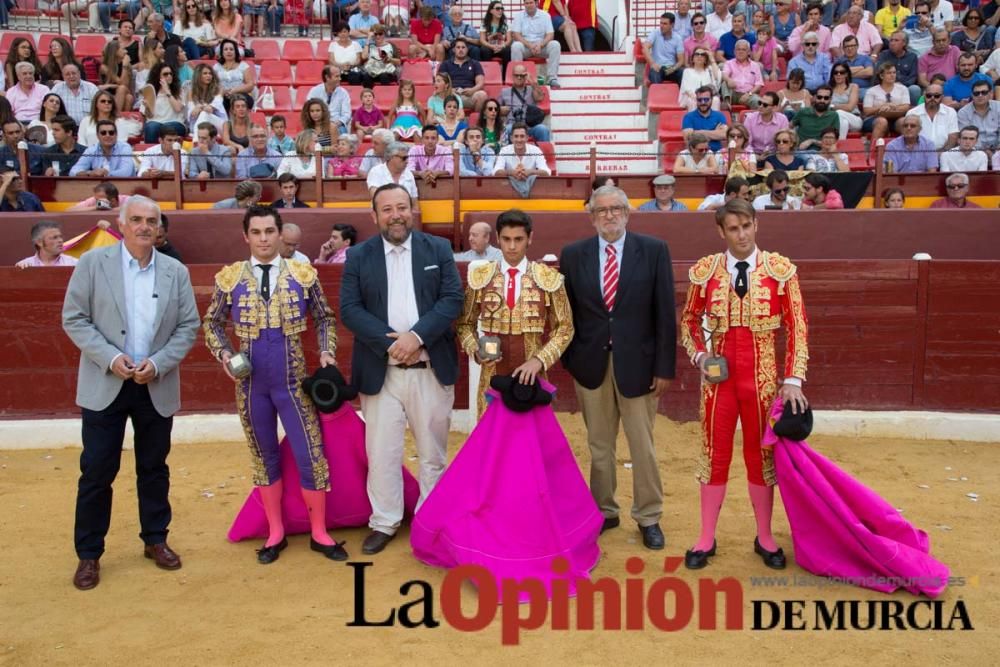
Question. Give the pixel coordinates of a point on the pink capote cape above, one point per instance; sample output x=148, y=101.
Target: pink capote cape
x=347, y=503
x=511, y=501
x=843, y=529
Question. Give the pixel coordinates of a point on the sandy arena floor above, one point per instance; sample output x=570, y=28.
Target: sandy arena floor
x=222, y=608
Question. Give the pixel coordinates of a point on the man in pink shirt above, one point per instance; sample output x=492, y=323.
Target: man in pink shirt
x=430, y=160
x=819, y=194
x=869, y=38
x=764, y=123
x=700, y=37
x=941, y=59
x=813, y=23
x=743, y=76
x=957, y=188
x=334, y=251
x=26, y=96
x=48, y=240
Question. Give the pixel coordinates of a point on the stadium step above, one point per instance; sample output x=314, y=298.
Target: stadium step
x=615, y=135
x=576, y=121
x=604, y=57
x=595, y=95
x=596, y=68
x=612, y=158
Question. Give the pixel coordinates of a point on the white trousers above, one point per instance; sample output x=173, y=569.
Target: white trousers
x=414, y=396
x=848, y=122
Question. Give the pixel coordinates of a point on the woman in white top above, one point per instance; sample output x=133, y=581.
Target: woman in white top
x=52, y=106
x=163, y=105
x=102, y=107
x=235, y=76
x=300, y=163
x=845, y=99
x=696, y=158
x=195, y=31
x=738, y=136
x=345, y=53
x=829, y=158
x=204, y=103
x=702, y=72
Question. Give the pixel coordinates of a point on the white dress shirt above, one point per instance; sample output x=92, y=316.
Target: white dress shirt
x=258, y=273
x=533, y=158
x=402, y=296
x=153, y=158
x=140, y=305
x=521, y=268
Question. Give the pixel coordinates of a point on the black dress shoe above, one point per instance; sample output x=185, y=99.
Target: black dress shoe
x=333, y=551
x=375, y=542
x=652, y=537
x=695, y=560
x=269, y=554
x=609, y=523
x=773, y=559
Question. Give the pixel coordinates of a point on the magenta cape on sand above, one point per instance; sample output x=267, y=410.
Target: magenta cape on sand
x=347, y=504
x=843, y=529
x=511, y=501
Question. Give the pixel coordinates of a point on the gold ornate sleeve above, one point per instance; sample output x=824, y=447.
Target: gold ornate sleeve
x=214, y=323
x=466, y=323
x=323, y=317
x=793, y=313
x=692, y=336
x=560, y=326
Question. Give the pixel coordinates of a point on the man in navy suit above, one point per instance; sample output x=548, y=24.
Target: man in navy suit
x=400, y=296
x=621, y=291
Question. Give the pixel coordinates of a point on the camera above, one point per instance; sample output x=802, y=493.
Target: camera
x=103, y=205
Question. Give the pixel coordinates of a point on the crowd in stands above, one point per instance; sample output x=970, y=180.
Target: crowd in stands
x=768, y=89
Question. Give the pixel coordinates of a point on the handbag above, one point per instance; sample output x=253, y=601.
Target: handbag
x=266, y=101
x=532, y=115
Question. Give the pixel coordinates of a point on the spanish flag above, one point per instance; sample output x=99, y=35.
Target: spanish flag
x=94, y=238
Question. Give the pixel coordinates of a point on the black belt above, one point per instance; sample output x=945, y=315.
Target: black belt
x=419, y=364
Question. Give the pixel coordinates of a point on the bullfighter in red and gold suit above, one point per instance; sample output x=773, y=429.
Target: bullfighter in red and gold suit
x=740, y=298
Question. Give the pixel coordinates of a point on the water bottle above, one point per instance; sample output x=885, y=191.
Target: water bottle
x=541, y=80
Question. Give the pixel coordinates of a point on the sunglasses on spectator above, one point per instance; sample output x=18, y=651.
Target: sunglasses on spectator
x=697, y=23
x=911, y=125
x=704, y=100
x=108, y=133
x=822, y=98
x=782, y=141
x=956, y=186
x=764, y=105
x=840, y=71
x=933, y=96
x=810, y=43
x=498, y=7
x=780, y=191
x=980, y=93
x=520, y=76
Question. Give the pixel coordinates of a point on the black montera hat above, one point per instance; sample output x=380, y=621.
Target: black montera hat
x=328, y=389
x=795, y=427
x=520, y=397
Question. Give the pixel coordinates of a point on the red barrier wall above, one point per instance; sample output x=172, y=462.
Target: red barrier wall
x=883, y=335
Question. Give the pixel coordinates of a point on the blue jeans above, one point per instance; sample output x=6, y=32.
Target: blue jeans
x=539, y=133
x=151, y=132
x=274, y=17
x=656, y=75
x=105, y=9
x=588, y=38
x=195, y=52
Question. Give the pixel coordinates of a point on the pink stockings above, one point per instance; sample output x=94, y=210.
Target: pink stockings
x=712, y=496
x=315, y=501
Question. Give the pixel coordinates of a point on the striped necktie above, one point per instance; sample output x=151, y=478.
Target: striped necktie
x=610, y=277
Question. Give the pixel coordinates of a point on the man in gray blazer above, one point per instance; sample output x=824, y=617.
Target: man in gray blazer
x=132, y=313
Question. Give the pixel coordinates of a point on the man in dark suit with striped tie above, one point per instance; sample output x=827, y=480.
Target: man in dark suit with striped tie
x=622, y=358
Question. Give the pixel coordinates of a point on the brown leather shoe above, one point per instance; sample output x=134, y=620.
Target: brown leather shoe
x=164, y=556
x=88, y=574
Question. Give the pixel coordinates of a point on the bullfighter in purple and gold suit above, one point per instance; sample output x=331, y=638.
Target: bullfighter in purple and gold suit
x=268, y=299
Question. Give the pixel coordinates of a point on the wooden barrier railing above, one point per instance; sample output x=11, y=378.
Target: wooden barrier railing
x=900, y=335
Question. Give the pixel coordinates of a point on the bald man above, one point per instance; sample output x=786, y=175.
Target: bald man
x=291, y=239
x=480, y=234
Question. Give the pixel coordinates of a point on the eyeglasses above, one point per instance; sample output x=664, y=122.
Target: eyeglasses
x=492, y=108
x=840, y=71
x=519, y=76
x=980, y=93
x=735, y=135
x=105, y=101
x=782, y=141
x=697, y=23
x=764, y=105
x=614, y=211
x=498, y=8
x=973, y=16
x=822, y=98
x=166, y=73
x=922, y=13
x=780, y=191
x=108, y=133
x=932, y=96
x=704, y=100
x=810, y=43
x=956, y=186
x=910, y=125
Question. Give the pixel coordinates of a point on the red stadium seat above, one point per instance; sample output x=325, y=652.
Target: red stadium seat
x=549, y=151
x=668, y=128
x=639, y=57
x=265, y=49
x=423, y=93
x=663, y=97
x=275, y=73
x=532, y=72
x=857, y=156
x=545, y=104
x=44, y=40
x=418, y=71
x=668, y=153
x=773, y=86
x=282, y=98
x=492, y=73
x=309, y=71
x=401, y=43
x=7, y=38
x=323, y=49
x=385, y=97
x=89, y=46
x=355, y=93
x=295, y=50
